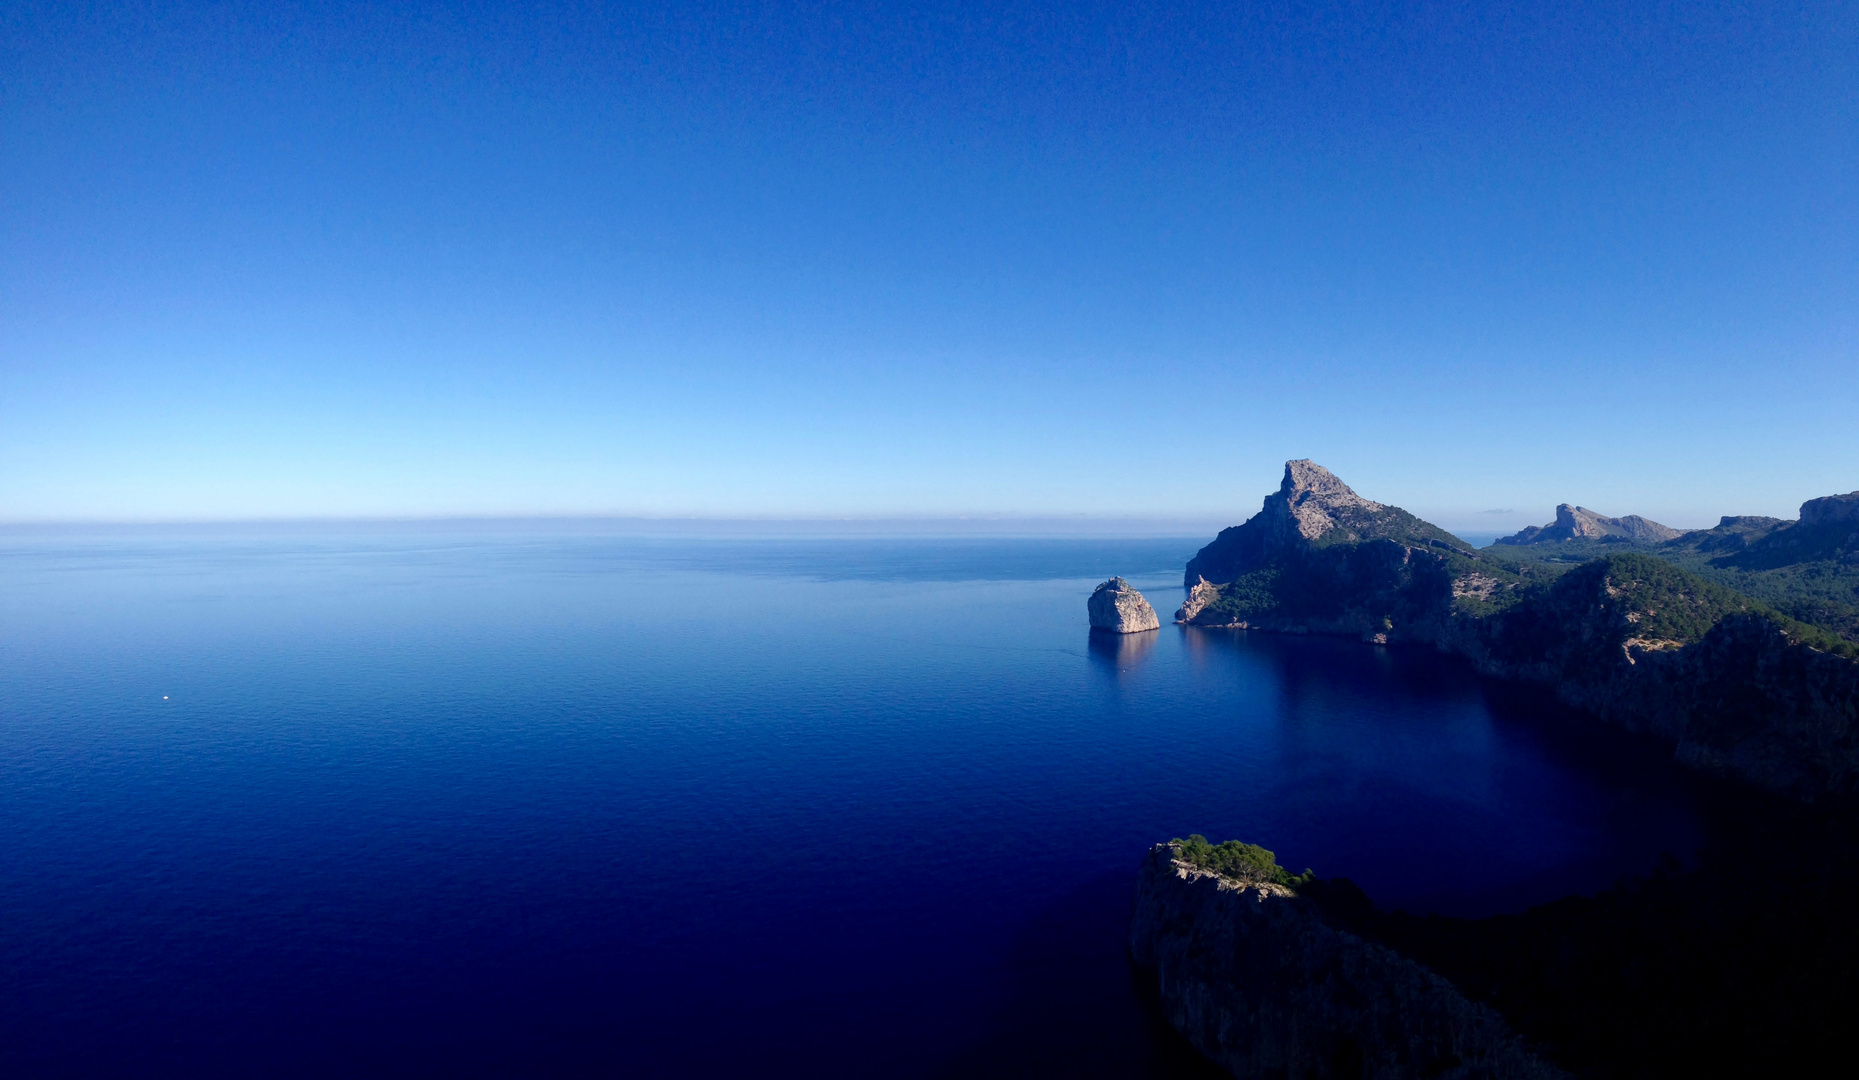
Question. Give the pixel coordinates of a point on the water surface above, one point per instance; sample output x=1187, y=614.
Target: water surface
x=391, y=803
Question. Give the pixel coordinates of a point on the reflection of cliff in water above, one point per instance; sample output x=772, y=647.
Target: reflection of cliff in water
x=1738, y=960
x=1449, y=755
x=1115, y=653
x=1741, y=967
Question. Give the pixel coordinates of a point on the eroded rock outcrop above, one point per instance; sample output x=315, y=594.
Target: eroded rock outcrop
x=1581, y=523
x=1833, y=509
x=1203, y=592
x=1117, y=607
x=1259, y=981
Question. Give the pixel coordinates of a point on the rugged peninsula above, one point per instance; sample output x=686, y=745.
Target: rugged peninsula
x=1739, y=643
x=1613, y=619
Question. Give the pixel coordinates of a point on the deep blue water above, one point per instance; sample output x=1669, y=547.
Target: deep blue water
x=391, y=804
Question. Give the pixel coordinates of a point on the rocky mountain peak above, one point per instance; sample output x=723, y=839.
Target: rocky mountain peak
x=1311, y=509
x=1312, y=500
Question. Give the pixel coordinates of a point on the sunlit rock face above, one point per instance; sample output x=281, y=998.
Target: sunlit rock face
x=1203, y=593
x=1117, y=607
x=1311, y=509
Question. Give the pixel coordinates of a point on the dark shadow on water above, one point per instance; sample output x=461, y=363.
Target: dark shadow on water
x=1075, y=1005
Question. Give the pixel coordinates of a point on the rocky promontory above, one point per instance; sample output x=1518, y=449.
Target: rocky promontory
x=1741, y=688
x=1258, y=980
x=1117, y=607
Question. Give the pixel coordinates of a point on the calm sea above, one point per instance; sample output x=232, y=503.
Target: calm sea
x=404, y=804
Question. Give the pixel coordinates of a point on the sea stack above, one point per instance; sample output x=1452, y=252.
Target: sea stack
x=1118, y=608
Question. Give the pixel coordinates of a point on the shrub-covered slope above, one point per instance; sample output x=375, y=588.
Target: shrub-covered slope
x=1806, y=569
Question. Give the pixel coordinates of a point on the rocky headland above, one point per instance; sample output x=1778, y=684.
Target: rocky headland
x=1739, y=644
x=1740, y=687
x=1117, y=607
x=1263, y=983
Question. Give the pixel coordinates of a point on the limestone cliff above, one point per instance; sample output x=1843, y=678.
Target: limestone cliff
x=1832, y=509
x=1200, y=594
x=1311, y=509
x=1827, y=532
x=1259, y=981
x=1117, y=607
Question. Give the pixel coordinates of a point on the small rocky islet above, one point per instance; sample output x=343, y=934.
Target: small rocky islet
x=1116, y=606
x=1738, y=644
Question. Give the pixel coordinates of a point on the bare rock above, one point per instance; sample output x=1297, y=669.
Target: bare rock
x=1115, y=606
x=1314, y=500
x=1311, y=508
x=1831, y=510
x=1204, y=592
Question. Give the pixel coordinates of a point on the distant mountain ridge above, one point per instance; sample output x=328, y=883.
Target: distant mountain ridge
x=1581, y=523
x=1807, y=568
x=1742, y=688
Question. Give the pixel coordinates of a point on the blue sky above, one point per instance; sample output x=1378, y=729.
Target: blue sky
x=278, y=260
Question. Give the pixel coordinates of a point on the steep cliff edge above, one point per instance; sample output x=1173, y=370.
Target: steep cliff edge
x=1258, y=980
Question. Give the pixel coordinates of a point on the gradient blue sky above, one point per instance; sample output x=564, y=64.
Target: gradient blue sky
x=925, y=259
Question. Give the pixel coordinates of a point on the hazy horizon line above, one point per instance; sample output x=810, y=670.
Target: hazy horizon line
x=733, y=524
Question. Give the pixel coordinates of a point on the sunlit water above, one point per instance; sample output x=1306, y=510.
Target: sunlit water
x=392, y=804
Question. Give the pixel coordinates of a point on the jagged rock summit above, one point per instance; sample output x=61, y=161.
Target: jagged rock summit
x=1311, y=508
x=1117, y=607
x=1313, y=501
x=1581, y=523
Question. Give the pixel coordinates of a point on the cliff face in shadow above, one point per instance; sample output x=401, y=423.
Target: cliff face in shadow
x=1260, y=981
x=1746, y=965
x=1741, y=688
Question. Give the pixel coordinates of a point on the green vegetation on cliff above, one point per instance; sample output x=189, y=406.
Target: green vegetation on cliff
x=1239, y=861
x=1582, y=620
x=1804, y=576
